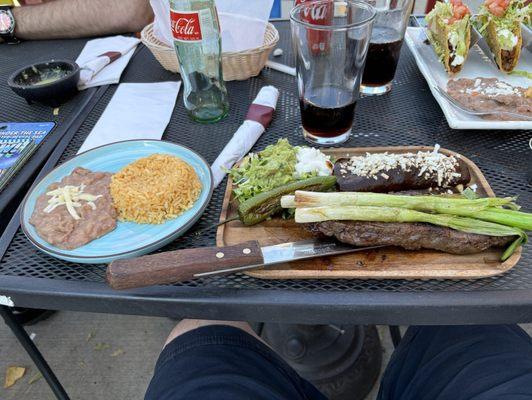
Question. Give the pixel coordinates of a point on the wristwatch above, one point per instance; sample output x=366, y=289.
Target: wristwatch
x=7, y=25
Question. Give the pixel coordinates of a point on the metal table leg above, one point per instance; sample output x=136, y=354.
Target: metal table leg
x=33, y=352
x=395, y=333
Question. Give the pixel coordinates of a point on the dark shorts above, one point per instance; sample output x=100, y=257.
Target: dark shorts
x=431, y=363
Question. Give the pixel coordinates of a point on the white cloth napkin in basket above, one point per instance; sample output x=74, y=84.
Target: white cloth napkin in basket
x=242, y=22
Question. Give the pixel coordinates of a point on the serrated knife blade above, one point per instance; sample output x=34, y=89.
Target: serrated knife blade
x=293, y=251
x=527, y=37
x=483, y=45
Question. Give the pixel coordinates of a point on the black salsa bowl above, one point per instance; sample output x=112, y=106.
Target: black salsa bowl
x=51, y=83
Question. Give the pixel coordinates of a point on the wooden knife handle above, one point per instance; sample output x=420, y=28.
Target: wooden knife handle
x=180, y=265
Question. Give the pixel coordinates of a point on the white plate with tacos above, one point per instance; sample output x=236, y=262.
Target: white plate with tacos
x=447, y=59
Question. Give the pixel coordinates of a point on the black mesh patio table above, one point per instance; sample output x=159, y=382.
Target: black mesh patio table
x=16, y=109
x=407, y=116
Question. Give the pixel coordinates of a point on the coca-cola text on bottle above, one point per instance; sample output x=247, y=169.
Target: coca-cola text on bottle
x=320, y=13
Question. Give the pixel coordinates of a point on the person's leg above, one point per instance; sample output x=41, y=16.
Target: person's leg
x=187, y=325
x=223, y=360
x=460, y=363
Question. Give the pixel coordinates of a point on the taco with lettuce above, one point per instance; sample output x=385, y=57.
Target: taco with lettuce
x=499, y=21
x=449, y=32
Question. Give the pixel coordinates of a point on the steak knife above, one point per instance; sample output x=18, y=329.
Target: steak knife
x=183, y=265
x=527, y=36
x=488, y=54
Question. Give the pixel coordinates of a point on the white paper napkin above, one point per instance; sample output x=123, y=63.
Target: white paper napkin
x=112, y=72
x=136, y=111
x=247, y=134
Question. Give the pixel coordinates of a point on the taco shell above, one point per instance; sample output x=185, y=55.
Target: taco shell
x=438, y=34
x=505, y=59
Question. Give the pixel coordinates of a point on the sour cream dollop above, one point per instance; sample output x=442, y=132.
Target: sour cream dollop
x=454, y=38
x=311, y=160
x=509, y=40
x=457, y=60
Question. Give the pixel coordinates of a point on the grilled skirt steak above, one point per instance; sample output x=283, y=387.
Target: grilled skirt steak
x=411, y=236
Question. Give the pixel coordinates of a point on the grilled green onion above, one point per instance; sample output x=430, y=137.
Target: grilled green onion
x=486, y=209
x=422, y=203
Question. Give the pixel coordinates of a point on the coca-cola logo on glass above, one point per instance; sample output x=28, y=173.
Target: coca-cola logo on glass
x=185, y=25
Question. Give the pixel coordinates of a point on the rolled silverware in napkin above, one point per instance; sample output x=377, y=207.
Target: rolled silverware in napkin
x=102, y=60
x=257, y=120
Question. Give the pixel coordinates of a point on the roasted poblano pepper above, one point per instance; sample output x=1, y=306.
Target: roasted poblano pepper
x=260, y=207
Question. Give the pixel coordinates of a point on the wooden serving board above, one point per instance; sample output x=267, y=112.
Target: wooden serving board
x=385, y=263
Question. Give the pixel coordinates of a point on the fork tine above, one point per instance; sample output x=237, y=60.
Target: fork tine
x=454, y=102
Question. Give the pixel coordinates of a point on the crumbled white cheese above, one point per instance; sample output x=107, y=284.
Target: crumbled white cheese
x=311, y=160
x=431, y=165
x=499, y=88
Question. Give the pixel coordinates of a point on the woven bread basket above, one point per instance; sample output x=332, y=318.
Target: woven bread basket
x=238, y=66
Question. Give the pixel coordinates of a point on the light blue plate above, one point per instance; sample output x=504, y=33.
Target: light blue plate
x=128, y=239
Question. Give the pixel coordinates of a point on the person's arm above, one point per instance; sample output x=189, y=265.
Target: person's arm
x=61, y=19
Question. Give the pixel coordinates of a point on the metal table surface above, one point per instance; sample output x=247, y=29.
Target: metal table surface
x=407, y=116
x=16, y=109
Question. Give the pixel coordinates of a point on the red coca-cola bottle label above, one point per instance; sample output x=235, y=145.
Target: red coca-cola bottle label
x=186, y=25
x=318, y=14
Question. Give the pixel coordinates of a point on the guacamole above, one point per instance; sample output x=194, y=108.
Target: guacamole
x=277, y=165
x=259, y=172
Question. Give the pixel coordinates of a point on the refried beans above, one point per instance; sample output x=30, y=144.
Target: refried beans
x=59, y=228
x=491, y=94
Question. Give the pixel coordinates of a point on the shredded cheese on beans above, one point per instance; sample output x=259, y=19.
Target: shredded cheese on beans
x=70, y=197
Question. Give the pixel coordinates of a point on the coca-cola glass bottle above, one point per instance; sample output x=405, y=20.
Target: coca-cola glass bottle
x=197, y=42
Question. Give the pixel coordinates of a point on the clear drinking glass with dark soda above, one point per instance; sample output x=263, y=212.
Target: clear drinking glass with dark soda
x=385, y=45
x=330, y=42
